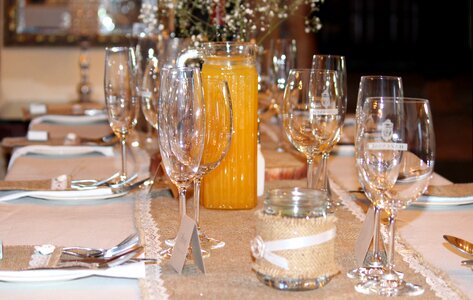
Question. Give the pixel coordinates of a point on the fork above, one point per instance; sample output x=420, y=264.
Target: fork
x=85, y=252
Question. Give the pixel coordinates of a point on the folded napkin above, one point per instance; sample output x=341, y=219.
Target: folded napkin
x=66, y=109
x=31, y=263
x=451, y=194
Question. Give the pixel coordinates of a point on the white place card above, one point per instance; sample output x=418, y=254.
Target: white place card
x=37, y=135
x=186, y=235
x=363, y=242
x=38, y=108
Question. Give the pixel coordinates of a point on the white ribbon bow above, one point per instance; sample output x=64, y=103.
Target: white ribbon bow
x=262, y=249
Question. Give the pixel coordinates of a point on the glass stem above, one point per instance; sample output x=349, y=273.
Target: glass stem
x=321, y=177
x=310, y=173
x=197, y=181
x=182, y=203
x=392, y=231
x=123, y=145
x=377, y=260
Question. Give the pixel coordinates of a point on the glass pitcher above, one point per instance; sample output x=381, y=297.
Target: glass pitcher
x=232, y=185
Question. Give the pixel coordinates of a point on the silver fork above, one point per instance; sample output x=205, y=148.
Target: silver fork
x=88, y=184
x=85, y=252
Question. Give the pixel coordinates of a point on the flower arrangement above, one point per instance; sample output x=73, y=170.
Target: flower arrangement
x=215, y=20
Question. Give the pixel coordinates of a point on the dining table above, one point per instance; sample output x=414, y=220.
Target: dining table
x=422, y=254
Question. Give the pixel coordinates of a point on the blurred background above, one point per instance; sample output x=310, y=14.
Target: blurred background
x=428, y=43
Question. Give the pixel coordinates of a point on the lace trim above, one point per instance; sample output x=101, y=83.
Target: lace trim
x=434, y=278
x=152, y=286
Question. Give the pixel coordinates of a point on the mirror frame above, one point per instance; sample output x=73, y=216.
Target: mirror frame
x=13, y=39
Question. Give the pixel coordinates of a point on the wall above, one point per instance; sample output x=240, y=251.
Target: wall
x=47, y=74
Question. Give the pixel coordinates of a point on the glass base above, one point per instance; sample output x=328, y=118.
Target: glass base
x=292, y=284
x=167, y=253
x=366, y=273
x=389, y=286
x=207, y=242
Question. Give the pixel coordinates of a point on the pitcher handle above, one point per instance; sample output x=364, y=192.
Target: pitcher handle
x=190, y=57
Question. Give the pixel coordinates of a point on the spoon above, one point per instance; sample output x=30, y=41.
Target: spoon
x=462, y=245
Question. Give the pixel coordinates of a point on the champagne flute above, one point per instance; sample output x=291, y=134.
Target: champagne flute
x=396, y=161
x=374, y=86
x=218, y=134
x=312, y=113
x=121, y=96
x=181, y=123
x=150, y=92
x=283, y=59
x=335, y=63
x=329, y=116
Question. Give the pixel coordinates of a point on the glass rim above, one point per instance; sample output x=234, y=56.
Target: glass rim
x=399, y=99
x=329, y=56
x=381, y=77
x=118, y=48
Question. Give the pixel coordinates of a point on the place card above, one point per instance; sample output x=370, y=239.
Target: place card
x=1, y=250
x=363, y=242
x=38, y=108
x=37, y=135
x=186, y=235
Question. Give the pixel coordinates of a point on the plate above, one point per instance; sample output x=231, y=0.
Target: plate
x=443, y=201
x=83, y=195
x=131, y=270
x=41, y=275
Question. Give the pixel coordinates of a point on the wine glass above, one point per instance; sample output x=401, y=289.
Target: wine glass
x=181, y=123
x=374, y=86
x=218, y=133
x=395, y=161
x=283, y=58
x=121, y=96
x=335, y=63
x=313, y=113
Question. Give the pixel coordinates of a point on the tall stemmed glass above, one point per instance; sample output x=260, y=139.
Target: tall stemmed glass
x=334, y=63
x=374, y=86
x=283, y=59
x=150, y=92
x=218, y=133
x=313, y=113
x=330, y=108
x=181, y=123
x=121, y=96
x=395, y=161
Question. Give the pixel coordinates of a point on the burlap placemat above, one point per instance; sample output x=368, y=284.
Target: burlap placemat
x=229, y=274
x=450, y=190
x=21, y=257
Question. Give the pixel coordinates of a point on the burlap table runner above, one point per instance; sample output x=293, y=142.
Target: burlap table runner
x=229, y=274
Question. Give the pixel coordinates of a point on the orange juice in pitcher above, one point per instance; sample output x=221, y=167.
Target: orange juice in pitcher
x=232, y=185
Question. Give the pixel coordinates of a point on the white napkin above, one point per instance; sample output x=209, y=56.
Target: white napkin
x=131, y=270
x=71, y=120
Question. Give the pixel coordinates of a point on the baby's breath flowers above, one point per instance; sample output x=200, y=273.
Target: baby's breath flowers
x=215, y=20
